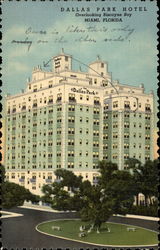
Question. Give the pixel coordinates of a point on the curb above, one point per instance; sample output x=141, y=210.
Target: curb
x=91, y=243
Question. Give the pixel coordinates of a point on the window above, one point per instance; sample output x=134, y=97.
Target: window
x=105, y=126
x=126, y=114
x=59, y=143
x=70, y=153
x=95, y=154
x=115, y=135
x=71, y=131
x=59, y=120
x=59, y=97
x=59, y=154
x=96, y=101
x=70, y=165
x=70, y=142
x=59, y=108
x=71, y=107
x=72, y=97
x=105, y=146
x=71, y=119
x=50, y=99
x=115, y=124
x=126, y=125
x=96, y=110
x=126, y=104
x=115, y=114
x=96, y=122
x=115, y=104
x=114, y=156
x=95, y=143
x=148, y=107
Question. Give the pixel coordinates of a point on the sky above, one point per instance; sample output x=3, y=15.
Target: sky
x=132, y=61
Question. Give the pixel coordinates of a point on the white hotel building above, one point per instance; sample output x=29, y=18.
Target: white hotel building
x=72, y=119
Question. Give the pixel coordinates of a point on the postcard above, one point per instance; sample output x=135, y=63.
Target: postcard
x=79, y=124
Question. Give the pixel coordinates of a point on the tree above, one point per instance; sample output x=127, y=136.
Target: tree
x=14, y=194
x=149, y=180
x=95, y=203
x=134, y=167
x=146, y=178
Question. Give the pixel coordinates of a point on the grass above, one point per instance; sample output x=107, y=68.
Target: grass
x=118, y=235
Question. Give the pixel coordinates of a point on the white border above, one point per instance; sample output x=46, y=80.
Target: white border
x=91, y=243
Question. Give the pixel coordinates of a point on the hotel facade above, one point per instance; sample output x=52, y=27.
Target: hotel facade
x=72, y=120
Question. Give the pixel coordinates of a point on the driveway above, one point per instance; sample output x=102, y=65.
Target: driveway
x=19, y=232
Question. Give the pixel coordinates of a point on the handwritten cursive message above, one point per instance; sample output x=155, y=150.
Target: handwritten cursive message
x=74, y=34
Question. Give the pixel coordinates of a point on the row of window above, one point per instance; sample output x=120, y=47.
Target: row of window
x=95, y=133
x=96, y=122
x=127, y=106
x=115, y=115
x=71, y=98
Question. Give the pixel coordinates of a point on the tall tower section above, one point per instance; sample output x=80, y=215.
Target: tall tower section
x=62, y=62
x=98, y=66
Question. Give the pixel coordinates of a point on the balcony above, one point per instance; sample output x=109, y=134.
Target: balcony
x=57, y=180
x=22, y=180
x=48, y=180
x=33, y=180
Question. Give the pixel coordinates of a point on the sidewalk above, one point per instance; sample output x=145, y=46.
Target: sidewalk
x=138, y=217
x=49, y=209
x=41, y=208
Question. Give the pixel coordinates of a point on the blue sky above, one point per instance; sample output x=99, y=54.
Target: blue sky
x=132, y=61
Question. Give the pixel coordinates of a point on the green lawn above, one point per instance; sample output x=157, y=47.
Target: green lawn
x=118, y=235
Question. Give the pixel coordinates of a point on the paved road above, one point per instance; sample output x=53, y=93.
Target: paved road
x=19, y=232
